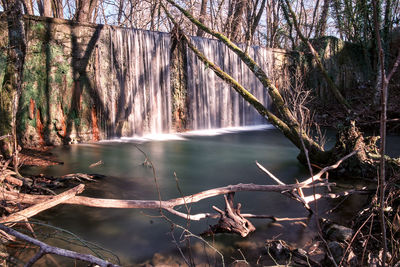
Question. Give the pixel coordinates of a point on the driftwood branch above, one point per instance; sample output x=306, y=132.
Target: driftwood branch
x=317, y=177
x=43, y=205
x=155, y=204
x=231, y=220
x=261, y=167
x=231, y=216
x=298, y=196
x=47, y=249
x=298, y=193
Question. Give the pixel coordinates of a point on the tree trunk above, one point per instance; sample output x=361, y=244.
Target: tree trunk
x=11, y=87
x=58, y=10
x=253, y=21
x=237, y=20
x=84, y=10
x=321, y=25
x=40, y=7
x=202, y=17
x=28, y=7
x=120, y=11
x=47, y=9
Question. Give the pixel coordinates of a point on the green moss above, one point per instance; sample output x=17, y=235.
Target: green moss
x=75, y=117
x=34, y=80
x=38, y=26
x=38, y=30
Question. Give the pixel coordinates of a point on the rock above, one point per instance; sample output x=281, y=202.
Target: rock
x=336, y=232
x=339, y=233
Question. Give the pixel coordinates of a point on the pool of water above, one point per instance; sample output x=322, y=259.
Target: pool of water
x=199, y=161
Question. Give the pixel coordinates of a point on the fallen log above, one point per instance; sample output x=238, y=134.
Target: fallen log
x=153, y=204
x=292, y=190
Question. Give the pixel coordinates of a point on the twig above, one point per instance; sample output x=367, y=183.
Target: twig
x=203, y=240
x=354, y=237
x=269, y=173
x=328, y=168
x=366, y=241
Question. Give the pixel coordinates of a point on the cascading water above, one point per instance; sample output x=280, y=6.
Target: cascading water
x=214, y=104
x=140, y=87
x=139, y=99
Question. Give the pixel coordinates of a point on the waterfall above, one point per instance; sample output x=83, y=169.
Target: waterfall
x=214, y=104
x=137, y=90
x=140, y=87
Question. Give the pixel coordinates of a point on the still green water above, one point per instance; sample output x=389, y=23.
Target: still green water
x=200, y=163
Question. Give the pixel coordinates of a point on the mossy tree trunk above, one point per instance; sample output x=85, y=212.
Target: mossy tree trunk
x=349, y=138
x=180, y=109
x=284, y=121
x=12, y=83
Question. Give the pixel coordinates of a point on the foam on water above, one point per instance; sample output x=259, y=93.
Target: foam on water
x=183, y=136
x=219, y=131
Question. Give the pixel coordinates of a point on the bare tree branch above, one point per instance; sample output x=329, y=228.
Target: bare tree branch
x=47, y=249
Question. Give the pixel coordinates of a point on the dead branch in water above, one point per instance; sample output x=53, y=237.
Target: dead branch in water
x=43, y=205
x=231, y=213
x=155, y=204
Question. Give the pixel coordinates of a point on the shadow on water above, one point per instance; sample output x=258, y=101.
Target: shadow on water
x=200, y=163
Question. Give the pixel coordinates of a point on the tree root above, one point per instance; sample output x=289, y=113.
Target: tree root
x=231, y=221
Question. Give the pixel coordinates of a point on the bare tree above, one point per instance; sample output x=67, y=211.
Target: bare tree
x=253, y=19
x=233, y=26
x=85, y=10
x=331, y=85
x=58, y=9
x=45, y=8
x=202, y=17
x=28, y=7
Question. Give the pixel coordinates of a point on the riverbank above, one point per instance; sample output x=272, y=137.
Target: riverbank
x=40, y=156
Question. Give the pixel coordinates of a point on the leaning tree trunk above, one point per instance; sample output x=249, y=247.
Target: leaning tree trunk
x=349, y=137
x=11, y=87
x=284, y=121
